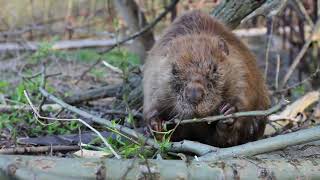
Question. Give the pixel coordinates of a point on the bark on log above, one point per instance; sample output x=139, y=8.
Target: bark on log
x=29, y=167
x=13, y=108
x=231, y=12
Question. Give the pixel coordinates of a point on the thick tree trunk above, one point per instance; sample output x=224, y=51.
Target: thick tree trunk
x=231, y=12
x=135, y=19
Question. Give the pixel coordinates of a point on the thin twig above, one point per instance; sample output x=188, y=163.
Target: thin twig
x=24, y=76
x=43, y=85
x=133, y=36
x=211, y=119
x=304, y=12
x=270, y=33
x=299, y=83
x=114, y=69
x=277, y=72
x=38, y=116
x=89, y=69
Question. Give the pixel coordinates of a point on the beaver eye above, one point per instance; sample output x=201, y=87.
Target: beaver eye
x=214, y=68
x=174, y=70
x=177, y=86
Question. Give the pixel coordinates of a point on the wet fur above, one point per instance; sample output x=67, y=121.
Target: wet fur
x=190, y=48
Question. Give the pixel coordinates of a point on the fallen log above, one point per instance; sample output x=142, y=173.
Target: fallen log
x=13, y=108
x=30, y=167
x=38, y=149
x=60, y=45
x=94, y=94
x=116, y=90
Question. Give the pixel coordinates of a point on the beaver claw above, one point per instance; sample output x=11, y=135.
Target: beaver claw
x=156, y=124
x=227, y=109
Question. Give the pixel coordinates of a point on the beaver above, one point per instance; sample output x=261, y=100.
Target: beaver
x=199, y=68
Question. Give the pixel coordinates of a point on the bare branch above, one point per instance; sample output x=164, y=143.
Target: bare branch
x=211, y=119
x=266, y=145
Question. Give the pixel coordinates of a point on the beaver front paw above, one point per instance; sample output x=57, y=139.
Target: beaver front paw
x=226, y=109
x=154, y=122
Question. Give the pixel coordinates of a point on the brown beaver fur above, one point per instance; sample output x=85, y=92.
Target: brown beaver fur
x=200, y=68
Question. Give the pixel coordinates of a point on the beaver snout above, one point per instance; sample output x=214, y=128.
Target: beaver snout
x=194, y=93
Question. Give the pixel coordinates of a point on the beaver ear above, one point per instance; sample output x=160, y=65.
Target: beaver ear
x=223, y=46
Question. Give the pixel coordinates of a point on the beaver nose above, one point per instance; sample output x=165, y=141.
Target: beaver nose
x=194, y=94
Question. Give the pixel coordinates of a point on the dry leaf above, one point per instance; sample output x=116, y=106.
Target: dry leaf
x=292, y=113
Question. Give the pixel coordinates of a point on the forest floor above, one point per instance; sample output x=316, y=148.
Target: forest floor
x=25, y=71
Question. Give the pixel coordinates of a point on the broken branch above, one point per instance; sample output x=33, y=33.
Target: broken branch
x=265, y=145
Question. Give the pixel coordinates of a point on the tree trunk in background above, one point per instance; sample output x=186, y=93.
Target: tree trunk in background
x=174, y=13
x=231, y=12
x=136, y=20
